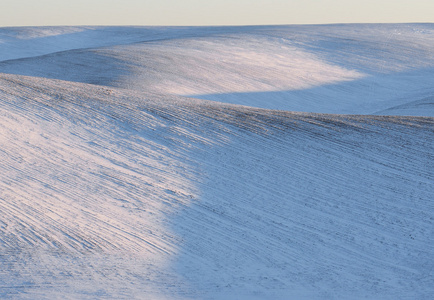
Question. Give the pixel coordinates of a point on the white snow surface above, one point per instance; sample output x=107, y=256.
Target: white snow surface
x=340, y=69
x=120, y=179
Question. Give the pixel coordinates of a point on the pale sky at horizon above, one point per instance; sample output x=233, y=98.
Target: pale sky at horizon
x=212, y=12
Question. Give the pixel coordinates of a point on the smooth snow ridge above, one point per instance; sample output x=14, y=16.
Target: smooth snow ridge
x=110, y=193
x=341, y=69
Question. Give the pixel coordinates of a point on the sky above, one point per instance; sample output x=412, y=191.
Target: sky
x=211, y=12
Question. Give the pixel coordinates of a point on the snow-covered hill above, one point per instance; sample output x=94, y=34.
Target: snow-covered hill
x=125, y=188
x=350, y=69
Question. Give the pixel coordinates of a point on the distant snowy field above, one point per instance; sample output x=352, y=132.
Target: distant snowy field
x=309, y=174
x=343, y=69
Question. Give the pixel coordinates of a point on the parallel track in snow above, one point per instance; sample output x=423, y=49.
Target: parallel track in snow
x=172, y=197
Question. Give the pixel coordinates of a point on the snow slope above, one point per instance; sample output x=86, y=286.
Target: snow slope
x=349, y=69
x=119, y=189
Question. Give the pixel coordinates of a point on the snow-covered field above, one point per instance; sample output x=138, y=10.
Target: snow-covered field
x=310, y=174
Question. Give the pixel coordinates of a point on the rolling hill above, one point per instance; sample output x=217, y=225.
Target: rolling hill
x=269, y=162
